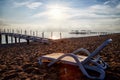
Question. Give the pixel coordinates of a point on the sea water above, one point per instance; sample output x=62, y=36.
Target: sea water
x=9, y=40
x=50, y=35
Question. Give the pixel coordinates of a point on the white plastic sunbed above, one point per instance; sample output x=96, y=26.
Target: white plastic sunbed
x=92, y=62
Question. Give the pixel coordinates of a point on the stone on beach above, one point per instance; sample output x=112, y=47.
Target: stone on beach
x=20, y=61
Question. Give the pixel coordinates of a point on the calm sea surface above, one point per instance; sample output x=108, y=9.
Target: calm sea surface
x=53, y=35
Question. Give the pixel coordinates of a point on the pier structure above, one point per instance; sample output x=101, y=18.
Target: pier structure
x=18, y=35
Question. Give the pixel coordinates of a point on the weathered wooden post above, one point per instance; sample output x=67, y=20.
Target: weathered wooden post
x=42, y=34
x=28, y=41
x=12, y=30
x=36, y=33
x=18, y=31
x=11, y=39
x=31, y=32
x=60, y=35
x=19, y=39
x=15, y=39
x=4, y=30
x=7, y=30
x=25, y=32
x=6, y=38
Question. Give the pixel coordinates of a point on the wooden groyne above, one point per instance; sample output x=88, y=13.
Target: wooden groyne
x=18, y=36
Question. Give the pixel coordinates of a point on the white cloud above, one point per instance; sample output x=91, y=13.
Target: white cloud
x=107, y=2
x=30, y=5
x=118, y=7
x=16, y=4
x=34, y=5
x=106, y=10
x=92, y=17
x=94, y=12
x=52, y=11
x=41, y=14
x=112, y=3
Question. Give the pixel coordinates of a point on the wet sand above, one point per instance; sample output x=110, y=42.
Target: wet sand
x=19, y=61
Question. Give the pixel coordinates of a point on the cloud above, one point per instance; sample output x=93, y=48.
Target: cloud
x=20, y=4
x=30, y=5
x=40, y=14
x=53, y=11
x=92, y=12
x=34, y=5
x=106, y=11
x=89, y=17
x=118, y=6
x=112, y=3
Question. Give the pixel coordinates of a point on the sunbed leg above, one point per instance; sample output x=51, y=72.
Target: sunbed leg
x=100, y=63
x=97, y=69
x=39, y=60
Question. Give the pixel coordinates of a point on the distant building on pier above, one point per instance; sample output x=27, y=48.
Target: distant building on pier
x=80, y=32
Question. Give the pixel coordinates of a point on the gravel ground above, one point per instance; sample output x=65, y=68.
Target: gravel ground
x=19, y=61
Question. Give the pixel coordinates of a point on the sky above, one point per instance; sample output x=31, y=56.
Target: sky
x=60, y=15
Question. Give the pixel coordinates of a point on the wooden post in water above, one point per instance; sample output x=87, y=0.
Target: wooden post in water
x=15, y=39
x=19, y=39
x=18, y=31
x=25, y=32
x=7, y=30
x=11, y=39
x=60, y=35
x=42, y=34
x=36, y=33
x=12, y=30
x=6, y=39
x=28, y=41
x=0, y=38
x=4, y=30
x=31, y=32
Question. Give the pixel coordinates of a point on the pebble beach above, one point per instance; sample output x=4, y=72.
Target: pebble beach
x=20, y=61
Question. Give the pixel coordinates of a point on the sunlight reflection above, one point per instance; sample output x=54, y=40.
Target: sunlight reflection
x=55, y=37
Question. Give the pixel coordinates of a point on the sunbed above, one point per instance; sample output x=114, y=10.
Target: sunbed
x=93, y=61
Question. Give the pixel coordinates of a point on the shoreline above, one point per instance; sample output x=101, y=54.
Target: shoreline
x=19, y=61
x=77, y=36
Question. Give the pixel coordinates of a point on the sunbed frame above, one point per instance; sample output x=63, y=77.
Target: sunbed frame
x=92, y=62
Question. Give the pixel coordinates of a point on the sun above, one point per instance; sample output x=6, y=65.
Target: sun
x=56, y=12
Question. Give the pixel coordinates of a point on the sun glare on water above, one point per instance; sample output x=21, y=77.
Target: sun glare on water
x=55, y=37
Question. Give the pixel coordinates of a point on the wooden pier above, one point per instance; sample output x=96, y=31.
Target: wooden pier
x=18, y=36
